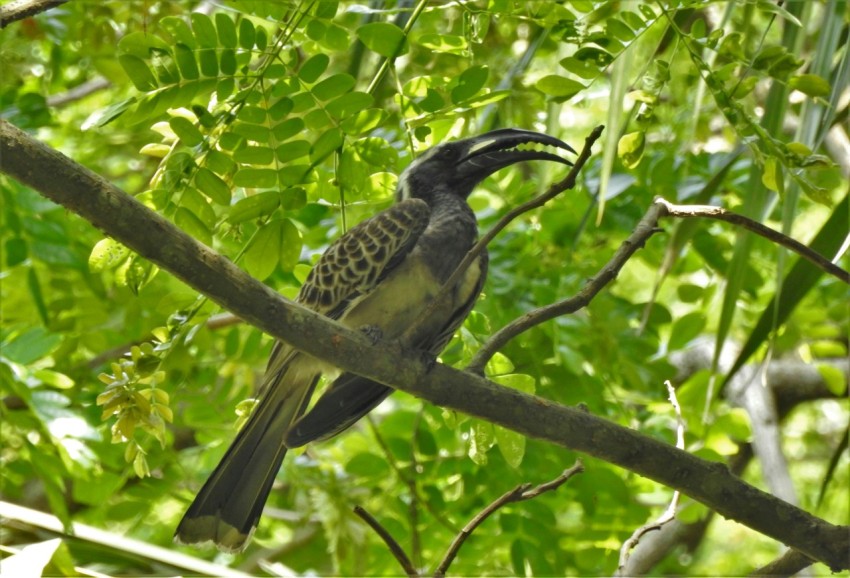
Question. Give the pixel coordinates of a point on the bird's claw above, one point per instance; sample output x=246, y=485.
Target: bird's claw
x=373, y=332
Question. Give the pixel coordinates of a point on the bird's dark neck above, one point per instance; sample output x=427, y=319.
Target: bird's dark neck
x=451, y=232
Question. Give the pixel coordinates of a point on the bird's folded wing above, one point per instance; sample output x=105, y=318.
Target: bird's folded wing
x=362, y=257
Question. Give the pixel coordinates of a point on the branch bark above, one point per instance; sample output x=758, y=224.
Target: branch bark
x=155, y=238
x=20, y=9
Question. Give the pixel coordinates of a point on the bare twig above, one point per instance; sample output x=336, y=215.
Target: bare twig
x=518, y=494
x=670, y=513
x=553, y=191
x=647, y=226
x=20, y=9
x=411, y=484
x=78, y=92
x=394, y=546
x=720, y=214
x=644, y=229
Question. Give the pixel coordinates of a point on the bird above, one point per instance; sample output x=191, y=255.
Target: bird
x=377, y=277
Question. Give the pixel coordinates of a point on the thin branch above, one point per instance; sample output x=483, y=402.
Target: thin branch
x=20, y=9
x=644, y=229
x=167, y=557
x=518, y=494
x=670, y=513
x=394, y=546
x=404, y=479
x=553, y=191
x=78, y=92
x=647, y=226
x=152, y=236
x=720, y=214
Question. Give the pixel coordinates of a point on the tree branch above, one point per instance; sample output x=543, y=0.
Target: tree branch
x=643, y=231
x=720, y=214
x=518, y=494
x=388, y=539
x=20, y=9
x=647, y=226
x=155, y=238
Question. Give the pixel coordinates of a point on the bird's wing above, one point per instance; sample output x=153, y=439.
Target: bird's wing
x=351, y=396
x=354, y=264
x=361, y=258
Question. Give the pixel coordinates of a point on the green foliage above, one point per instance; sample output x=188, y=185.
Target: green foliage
x=264, y=129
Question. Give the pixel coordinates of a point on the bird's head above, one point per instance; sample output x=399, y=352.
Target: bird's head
x=458, y=166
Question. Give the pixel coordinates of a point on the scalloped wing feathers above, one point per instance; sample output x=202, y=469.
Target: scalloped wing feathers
x=361, y=258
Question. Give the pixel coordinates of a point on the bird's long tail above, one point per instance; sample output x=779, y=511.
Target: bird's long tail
x=229, y=505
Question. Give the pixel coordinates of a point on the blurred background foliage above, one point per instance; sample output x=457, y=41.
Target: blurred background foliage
x=266, y=128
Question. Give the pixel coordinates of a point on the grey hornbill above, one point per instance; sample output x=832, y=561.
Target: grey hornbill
x=378, y=276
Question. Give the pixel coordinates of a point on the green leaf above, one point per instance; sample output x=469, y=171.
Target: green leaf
x=254, y=155
x=810, y=84
x=138, y=71
x=209, y=62
x=630, y=148
x=449, y=43
x=16, y=251
x=333, y=86
x=34, y=286
x=226, y=30
x=281, y=108
x=141, y=45
x=186, y=131
x=349, y=104
x=228, y=62
x=367, y=465
x=288, y=129
x=364, y=121
x=619, y=29
x=313, y=68
x=469, y=83
x=186, y=62
x=246, y=34
x=254, y=132
x=278, y=242
x=511, y=445
x=518, y=381
x=191, y=224
x=255, y=178
x=582, y=68
x=254, y=206
x=384, y=38
x=30, y=346
x=252, y=114
x=107, y=254
x=179, y=31
x=481, y=440
x=292, y=150
x=685, y=329
x=204, y=30
x=212, y=186
x=326, y=144
x=559, y=86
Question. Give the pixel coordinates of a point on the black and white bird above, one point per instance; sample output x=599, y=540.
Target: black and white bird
x=381, y=274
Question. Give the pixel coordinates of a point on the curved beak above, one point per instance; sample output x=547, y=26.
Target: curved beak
x=492, y=151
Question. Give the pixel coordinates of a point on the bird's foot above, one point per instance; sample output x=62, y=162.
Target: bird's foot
x=373, y=332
